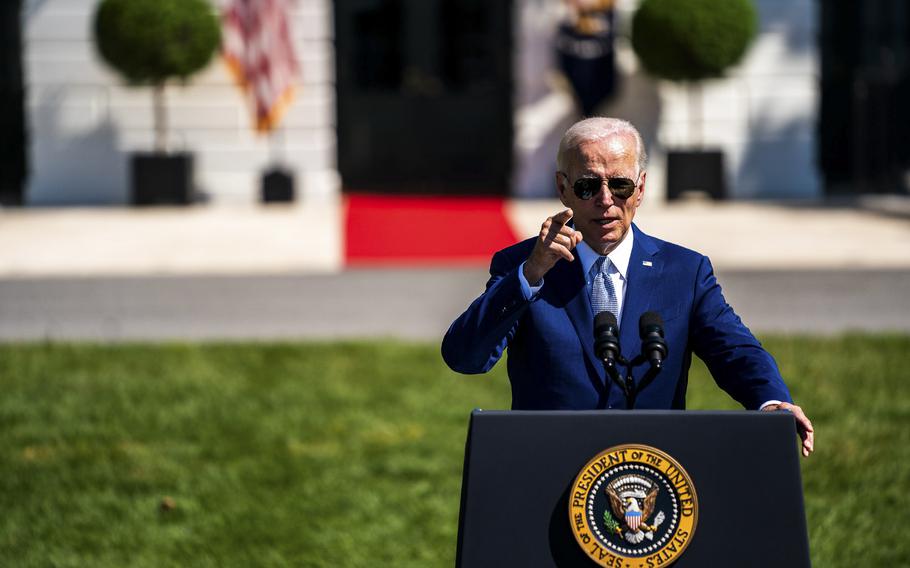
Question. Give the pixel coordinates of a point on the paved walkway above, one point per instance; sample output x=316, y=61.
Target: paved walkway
x=170, y=241
x=411, y=304
x=307, y=238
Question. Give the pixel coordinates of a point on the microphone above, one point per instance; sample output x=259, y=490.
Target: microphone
x=606, y=338
x=651, y=331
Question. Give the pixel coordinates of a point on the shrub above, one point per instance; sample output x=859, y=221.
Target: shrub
x=151, y=41
x=690, y=40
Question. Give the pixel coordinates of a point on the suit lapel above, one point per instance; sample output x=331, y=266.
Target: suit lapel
x=572, y=293
x=641, y=281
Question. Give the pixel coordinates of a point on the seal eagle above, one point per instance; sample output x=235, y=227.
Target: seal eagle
x=628, y=511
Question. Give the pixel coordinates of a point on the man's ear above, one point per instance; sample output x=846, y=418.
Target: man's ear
x=561, y=188
x=641, y=189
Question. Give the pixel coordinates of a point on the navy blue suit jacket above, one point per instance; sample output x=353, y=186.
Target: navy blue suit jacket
x=550, y=338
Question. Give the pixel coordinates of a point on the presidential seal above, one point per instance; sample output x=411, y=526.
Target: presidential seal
x=633, y=506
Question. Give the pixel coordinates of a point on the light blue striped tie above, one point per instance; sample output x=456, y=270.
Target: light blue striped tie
x=603, y=294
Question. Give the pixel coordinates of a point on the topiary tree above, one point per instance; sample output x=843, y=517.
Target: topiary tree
x=692, y=40
x=151, y=42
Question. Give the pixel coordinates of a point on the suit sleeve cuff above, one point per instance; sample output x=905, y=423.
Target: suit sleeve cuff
x=527, y=290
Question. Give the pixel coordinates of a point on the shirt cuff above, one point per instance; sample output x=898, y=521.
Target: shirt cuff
x=527, y=290
x=769, y=403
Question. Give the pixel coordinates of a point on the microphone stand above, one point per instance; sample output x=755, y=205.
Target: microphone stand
x=627, y=384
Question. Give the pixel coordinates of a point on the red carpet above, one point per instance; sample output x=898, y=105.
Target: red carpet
x=386, y=230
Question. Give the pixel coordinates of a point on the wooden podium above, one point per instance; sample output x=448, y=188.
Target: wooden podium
x=522, y=469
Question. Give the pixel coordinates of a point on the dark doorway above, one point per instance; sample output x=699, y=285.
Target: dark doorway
x=12, y=111
x=864, y=128
x=424, y=95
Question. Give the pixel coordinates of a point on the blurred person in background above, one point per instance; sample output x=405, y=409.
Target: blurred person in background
x=544, y=293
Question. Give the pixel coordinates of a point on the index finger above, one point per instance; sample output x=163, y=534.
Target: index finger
x=562, y=218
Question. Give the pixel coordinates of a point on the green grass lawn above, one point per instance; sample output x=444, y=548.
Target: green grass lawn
x=350, y=454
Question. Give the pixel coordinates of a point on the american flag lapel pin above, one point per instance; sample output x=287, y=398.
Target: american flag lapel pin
x=647, y=263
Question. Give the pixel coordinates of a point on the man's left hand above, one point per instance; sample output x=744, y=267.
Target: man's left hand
x=803, y=424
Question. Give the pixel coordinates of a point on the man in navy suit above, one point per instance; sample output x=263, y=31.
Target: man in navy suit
x=541, y=299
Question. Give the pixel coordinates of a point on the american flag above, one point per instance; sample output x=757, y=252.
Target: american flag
x=257, y=47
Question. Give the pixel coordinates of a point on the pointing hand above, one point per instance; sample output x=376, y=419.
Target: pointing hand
x=555, y=242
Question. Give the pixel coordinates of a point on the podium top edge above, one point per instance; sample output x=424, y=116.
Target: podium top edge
x=616, y=413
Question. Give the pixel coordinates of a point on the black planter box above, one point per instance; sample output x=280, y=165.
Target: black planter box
x=695, y=171
x=277, y=186
x=161, y=179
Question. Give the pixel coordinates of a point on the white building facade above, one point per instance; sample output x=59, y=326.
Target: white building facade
x=83, y=121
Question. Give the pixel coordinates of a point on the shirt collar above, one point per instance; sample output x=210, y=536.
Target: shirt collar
x=619, y=257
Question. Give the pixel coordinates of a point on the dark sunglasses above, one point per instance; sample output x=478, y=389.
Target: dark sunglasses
x=588, y=187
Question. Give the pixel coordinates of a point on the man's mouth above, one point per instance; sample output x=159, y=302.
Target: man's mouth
x=604, y=222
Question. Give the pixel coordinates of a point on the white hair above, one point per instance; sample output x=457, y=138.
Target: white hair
x=598, y=128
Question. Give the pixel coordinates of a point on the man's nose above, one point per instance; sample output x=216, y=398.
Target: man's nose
x=603, y=197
